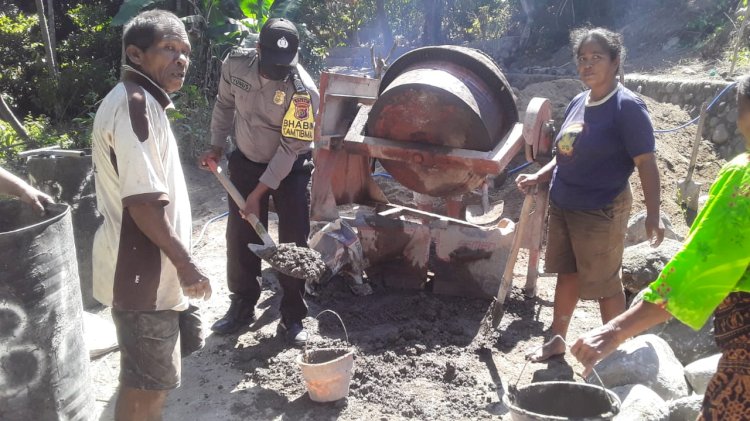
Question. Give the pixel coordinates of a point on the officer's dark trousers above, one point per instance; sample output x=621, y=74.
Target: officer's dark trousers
x=290, y=200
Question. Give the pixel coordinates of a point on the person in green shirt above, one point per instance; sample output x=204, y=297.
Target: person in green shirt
x=710, y=274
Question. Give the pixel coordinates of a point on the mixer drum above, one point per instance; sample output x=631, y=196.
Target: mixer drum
x=448, y=96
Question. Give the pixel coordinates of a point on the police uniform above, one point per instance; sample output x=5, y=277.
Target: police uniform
x=273, y=127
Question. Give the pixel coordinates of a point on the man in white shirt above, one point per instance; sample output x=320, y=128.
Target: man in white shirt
x=142, y=265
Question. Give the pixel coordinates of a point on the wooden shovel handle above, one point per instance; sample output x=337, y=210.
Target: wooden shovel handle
x=523, y=222
x=240, y=201
x=260, y=229
x=696, y=143
x=228, y=186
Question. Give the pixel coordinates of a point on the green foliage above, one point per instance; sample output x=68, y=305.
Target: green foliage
x=468, y=20
x=354, y=23
x=708, y=23
x=87, y=71
x=743, y=57
x=220, y=25
x=191, y=120
x=256, y=11
x=87, y=59
x=313, y=52
x=40, y=131
x=79, y=130
x=17, y=26
x=21, y=55
x=335, y=23
x=328, y=24
x=128, y=10
x=406, y=19
x=285, y=9
x=212, y=32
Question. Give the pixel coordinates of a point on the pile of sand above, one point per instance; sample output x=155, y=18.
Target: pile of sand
x=673, y=157
x=560, y=92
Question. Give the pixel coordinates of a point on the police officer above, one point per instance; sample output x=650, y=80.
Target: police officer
x=269, y=100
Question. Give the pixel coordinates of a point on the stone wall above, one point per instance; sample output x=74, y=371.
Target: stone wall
x=720, y=125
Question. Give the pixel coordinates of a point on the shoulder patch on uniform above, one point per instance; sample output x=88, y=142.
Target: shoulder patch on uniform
x=299, y=122
x=245, y=86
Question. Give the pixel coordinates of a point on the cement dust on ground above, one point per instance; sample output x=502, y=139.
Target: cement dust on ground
x=418, y=354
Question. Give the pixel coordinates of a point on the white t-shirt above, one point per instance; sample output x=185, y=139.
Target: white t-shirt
x=135, y=161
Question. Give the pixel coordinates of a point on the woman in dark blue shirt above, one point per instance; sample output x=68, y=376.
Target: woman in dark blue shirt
x=606, y=134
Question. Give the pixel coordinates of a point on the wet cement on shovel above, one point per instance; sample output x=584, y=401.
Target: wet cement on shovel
x=292, y=260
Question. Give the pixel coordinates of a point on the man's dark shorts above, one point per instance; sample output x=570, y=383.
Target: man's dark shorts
x=149, y=348
x=152, y=343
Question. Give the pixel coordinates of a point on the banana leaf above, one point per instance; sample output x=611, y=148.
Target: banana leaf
x=128, y=10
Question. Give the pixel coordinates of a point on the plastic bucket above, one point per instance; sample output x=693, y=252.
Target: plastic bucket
x=561, y=401
x=327, y=371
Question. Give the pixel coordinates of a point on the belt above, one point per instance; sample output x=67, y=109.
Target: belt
x=302, y=161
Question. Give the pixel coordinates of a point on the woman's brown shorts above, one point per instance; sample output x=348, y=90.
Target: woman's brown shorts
x=589, y=243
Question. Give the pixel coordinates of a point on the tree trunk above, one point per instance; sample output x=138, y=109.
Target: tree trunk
x=528, y=11
x=6, y=114
x=433, y=22
x=385, y=28
x=51, y=22
x=50, y=56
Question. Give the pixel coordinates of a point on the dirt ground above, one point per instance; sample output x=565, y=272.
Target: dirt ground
x=418, y=355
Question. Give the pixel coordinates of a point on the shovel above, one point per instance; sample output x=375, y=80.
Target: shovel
x=287, y=258
x=498, y=304
x=687, y=190
x=487, y=213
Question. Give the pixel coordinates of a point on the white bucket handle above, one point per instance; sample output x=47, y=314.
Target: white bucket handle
x=346, y=334
x=604, y=388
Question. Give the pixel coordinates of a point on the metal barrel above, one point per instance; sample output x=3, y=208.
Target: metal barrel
x=70, y=179
x=447, y=96
x=43, y=358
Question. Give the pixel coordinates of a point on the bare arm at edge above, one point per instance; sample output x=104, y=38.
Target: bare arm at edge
x=14, y=186
x=596, y=344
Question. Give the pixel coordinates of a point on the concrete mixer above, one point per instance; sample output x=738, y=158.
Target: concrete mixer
x=440, y=122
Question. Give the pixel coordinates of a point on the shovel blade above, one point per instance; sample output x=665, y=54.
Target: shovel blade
x=267, y=253
x=475, y=214
x=497, y=313
x=263, y=251
x=287, y=258
x=688, y=193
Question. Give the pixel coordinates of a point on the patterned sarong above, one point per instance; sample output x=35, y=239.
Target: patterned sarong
x=728, y=393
